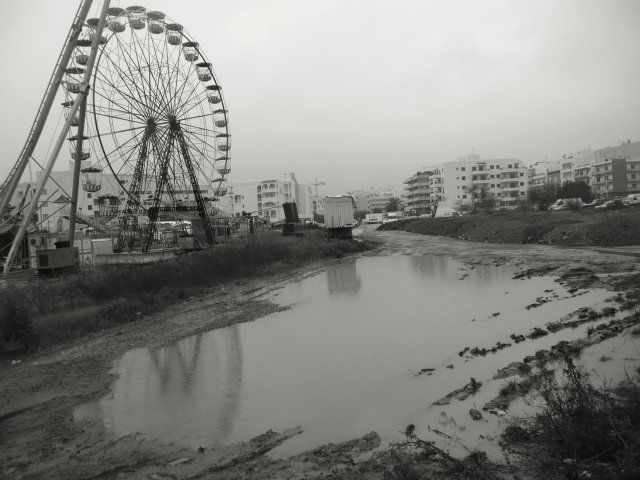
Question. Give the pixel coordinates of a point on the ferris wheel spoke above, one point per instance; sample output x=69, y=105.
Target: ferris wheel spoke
x=130, y=120
x=118, y=131
x=138, y=113
x=129, y=96
x=186, y=100
x=193, y=102
x=130, y=99
x=181, y=90
x=126, y=75
x=202, y=139
x=141, y=52
x=127, y=156
x=134, y=64
x=204, y=175
x=140, y=86
x=134, y=137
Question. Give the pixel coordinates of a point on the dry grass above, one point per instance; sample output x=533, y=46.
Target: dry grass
x=581, y=427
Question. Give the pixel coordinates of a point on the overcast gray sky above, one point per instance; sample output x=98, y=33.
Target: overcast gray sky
x=364, y=92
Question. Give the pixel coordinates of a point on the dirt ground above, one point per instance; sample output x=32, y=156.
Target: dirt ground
x=39, y=437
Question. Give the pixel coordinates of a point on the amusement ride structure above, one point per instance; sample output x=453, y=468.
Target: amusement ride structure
x=141, y=103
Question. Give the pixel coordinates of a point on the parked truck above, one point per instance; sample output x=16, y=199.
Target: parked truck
x=338, y=216
x=374, y=218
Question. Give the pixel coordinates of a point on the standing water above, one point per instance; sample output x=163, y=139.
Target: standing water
x=343, y=360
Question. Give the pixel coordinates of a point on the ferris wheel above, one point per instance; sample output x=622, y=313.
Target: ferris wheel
x=158, y=121
x=143, y=105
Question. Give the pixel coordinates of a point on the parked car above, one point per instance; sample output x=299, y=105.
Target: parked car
x=446, y=212
x=591, y=204
x=632, y=199
x=611, y=204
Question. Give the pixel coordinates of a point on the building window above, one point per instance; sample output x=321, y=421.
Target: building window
x=89, y=207
x=463, y=178
x=462, y=169
x=522, y=184
x=88, y=194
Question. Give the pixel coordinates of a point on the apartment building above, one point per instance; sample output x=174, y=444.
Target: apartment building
x=610, y=171
x=265, y=197
x=615, y=176
x=98, y=196
x=505, y=179
x=374, y=198
x=417, y=193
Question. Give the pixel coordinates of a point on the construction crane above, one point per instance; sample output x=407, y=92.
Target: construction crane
x=317, y=184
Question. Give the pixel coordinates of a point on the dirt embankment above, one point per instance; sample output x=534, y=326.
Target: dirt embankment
x=565, y=228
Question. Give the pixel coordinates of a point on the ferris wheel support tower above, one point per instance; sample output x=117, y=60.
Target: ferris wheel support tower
x=8, y=188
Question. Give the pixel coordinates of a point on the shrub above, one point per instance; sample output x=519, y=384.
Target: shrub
x=579, y=422
x=616, y=205
x=16, y=329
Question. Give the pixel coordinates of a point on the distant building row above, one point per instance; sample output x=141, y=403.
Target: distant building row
x=609, y=171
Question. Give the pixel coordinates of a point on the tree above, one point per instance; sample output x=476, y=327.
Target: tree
x=360, y=214
x=481, y=198
x=435, y=201
x=394, y=205
x=543, y=195
x=580, y=190
x=317, y=217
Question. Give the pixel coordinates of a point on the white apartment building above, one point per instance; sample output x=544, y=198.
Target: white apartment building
x=610, y=171
x=100, y=196
x=265, y=197
x=504, y=178
x=375, y=198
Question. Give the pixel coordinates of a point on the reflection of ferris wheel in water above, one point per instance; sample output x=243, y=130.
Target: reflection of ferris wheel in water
x=143, y=105
x=159, y=119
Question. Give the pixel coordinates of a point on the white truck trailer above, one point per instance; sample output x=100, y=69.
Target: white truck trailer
x=374, y=218
x=338, y=216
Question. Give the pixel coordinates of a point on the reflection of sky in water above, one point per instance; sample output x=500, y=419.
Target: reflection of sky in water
x=338, y=363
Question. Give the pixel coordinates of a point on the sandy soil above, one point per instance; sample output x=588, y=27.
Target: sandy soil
x=39, y=437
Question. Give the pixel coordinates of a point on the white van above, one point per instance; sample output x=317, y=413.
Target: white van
x=633, y=199
x=446, y=212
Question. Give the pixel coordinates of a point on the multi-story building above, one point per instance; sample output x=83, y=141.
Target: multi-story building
x=265, y=197
x=610, y=171
x=615, y=176
x=99, y=198
x=417, y=193
x=504, y=179
x=374, y=198
x=574, y=166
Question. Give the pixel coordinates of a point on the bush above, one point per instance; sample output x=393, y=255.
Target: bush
x=616, y=205
x=16, y=328
x=583, y=423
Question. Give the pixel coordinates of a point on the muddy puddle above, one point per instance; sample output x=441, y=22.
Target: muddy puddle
x=345, y=359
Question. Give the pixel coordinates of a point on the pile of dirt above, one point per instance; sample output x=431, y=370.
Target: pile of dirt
x=584, y=228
